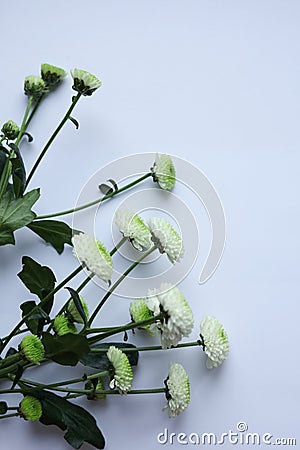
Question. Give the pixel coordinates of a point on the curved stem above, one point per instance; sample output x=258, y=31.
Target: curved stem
x=40, y=305
x=116, y=284
x=34, y=110
x=95, y=202
x=53, y=136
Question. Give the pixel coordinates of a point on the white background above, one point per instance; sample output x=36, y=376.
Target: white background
x=216, y=83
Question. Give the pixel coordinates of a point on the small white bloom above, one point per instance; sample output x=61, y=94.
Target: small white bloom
x=123, y=376
x=84, y=82
x=34, y=87
x=215, y=341
x=139, y=311
x=178, y=390
x=93, y=255
x=177, y=320
x=163, y=172
x=133, y=228
x=166, y=238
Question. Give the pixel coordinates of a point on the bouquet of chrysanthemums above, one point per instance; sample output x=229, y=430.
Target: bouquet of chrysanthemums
x=69, y=338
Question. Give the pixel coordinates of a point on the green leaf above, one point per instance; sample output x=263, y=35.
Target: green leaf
x=74, y=121
x=78, y=304
x=53, y=231
x=99, y=360
x=3, y=158
x=37, y=320
x=15, y=213
x=40, y=280
x=3, y=407
x=18, y=172
x=80, y=424
x=65, y=350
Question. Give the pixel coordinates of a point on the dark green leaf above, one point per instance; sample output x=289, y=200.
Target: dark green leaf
x=18, y=374
x=74, y=121
x=15, y=213
x=40, y=280
x=99, y=360
x=65, y=350
x=78, y=303
x=18, y=172
x=37, y=320
x=29, y=136
x=80, y=424
x=3, y=407
x=105, y=189
x=53, y=231
x=114, y=183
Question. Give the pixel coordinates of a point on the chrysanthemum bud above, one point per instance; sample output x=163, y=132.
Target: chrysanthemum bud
x=132, y=227
x=30, y=408
x=10, y=130
x=32, y=349
x=52, y=75
x=63, y=326
x=34, y=87
x=139, y=311
x=84, y=82
x=73, y=312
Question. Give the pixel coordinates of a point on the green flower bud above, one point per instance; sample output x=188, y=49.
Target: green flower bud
x=84, y=82
x=63, y=326
x=52, y=75
x=34, y=87
x=30, y=408
x=10, y=130
x=99, y=387
x=32, y=349
x=73, y=312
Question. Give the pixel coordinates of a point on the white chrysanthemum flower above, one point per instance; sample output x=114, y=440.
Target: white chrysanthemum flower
x=93, y=255
x=177, y=321
x=133, y=228
x=139, y=311
x=163, y=172
x=34, y=87
x=84, y=82
x=123, y=376
x=215, y=341
x=166, y=238
x=177, y=390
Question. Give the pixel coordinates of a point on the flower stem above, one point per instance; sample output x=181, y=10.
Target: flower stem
x=53, y=136
x=128, y=326
x=116, y=392
x=149, y=348
x=24, y=121
x=116, y=284
x=34, y=109
x=95, y=202
x=39, y=305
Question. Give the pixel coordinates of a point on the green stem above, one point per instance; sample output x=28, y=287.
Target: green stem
x=95, y=202
x=149, y=348
x=116, y=392
x=119, y=244
x=53, y=136
x=116, y=284
x=34, y=110
x=9, y=360
x=40, y=305
x=24, y=125
x=11, y=368
x=123, y=328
